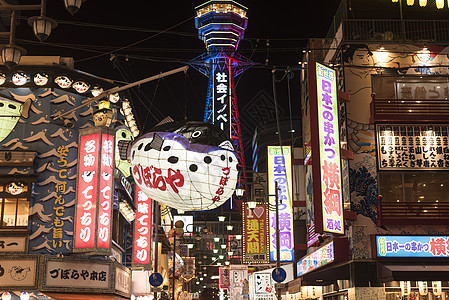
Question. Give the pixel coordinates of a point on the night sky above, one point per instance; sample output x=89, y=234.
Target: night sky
x=104, y=39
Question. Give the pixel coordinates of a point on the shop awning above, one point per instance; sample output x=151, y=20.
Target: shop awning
x=69, y=296
x=398, y=272
x=327, y=275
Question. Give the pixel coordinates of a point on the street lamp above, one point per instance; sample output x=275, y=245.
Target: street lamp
x=73, y=5
x=42, y=25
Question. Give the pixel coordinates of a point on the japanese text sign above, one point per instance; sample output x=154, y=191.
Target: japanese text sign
x=329, y=150
x=413, y=146
x=142, y=229
x=263, y=285
x=106, y=189
x=86, y=202
x=223, y=280
x=222, y=92
x=412, y=246
x=255, y=234
x=75, y=274
x=93, y=213
x=315, y=260
x=237, y=275
x=280, y=171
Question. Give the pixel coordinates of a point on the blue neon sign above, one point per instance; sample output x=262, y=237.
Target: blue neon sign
x=412, y=246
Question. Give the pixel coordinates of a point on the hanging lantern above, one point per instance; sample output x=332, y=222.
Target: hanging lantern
x=42, y=26
x=422, y=3
x=63, y=81
x=122, y=133
x=114, y=98
x=19, y=78
x=24, y=296
x=6, y=296
x=80, y=86
x=184, y=165
x=96, y=90
x=40, y=79
x=73, y=5
x=11, y=55
x=2, y=78
x=410, y=2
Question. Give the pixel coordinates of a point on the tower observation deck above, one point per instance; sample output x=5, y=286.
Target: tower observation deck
x=221, y=25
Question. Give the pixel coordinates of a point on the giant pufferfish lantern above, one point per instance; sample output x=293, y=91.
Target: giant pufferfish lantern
x=186, y=165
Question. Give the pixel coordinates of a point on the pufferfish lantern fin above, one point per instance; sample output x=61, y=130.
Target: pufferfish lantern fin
x=123, y=146
x=156, y=143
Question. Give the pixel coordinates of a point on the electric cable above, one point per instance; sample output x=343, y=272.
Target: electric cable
x=138, y=42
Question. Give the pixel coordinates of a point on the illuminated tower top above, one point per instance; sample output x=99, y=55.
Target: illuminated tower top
x=221, y=24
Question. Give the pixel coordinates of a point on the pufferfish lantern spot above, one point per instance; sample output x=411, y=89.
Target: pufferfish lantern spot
x=186, y=165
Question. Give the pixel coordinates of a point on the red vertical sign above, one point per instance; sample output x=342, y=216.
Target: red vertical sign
x=86, y=202
x=105, y=193
x=142, y=229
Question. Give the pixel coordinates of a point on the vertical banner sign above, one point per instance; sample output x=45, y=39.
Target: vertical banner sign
x=106, y=189
x=86, y=202
x=255, y=234
x=222, y=95
x=142, y=229
x=280, y=171
x=95, y=188
x=326, y=165
x=223, y=281
x=237, y=276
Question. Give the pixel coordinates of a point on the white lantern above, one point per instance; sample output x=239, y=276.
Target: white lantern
x=24, y=296
x=185, y=165
x=422, y=287
x=6, y=296
x=405, y=288
x=436, y=288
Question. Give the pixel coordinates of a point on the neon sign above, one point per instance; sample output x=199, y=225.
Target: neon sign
x=95, y=187
x=412, y=246
x=86, y=205
x=255, y=234
x=329, y=150
x=142, y=229
x=280, y=171
x=317, y=259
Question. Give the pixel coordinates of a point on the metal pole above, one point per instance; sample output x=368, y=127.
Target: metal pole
x=402, y=20
x=174, y=261
x=278, y=239
x=118, y=89
x=156, y=239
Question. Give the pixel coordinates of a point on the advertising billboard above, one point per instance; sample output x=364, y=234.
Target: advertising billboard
x=326, y=165
x=280, y=171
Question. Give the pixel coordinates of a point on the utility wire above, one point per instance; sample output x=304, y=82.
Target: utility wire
x=138, y=42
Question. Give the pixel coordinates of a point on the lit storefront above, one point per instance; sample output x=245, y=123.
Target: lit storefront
x=58, y=204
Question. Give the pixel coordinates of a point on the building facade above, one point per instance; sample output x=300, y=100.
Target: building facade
x=391, y=75
x=57, y=148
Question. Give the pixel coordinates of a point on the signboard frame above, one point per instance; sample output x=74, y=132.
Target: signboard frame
x=418, y=254
x=324, y=112
x=276, y=157
x=248, y=215
x=95, y=250
x=23, y=257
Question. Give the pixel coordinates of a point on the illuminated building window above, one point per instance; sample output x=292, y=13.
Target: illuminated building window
x=414, y=187
x=14, y=204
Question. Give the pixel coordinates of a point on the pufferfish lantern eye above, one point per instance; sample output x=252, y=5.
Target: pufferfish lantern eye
x=197, y=133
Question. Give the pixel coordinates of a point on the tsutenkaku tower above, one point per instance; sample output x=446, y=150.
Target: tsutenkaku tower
x=221, y=25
